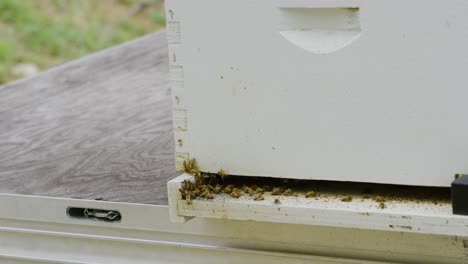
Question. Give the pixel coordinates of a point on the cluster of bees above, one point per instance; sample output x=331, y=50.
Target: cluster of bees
x=206, y=185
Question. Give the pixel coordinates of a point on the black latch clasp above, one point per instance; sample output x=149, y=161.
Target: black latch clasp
x=94, y=214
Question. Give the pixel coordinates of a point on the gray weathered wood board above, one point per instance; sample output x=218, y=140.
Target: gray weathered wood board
x=97, y=127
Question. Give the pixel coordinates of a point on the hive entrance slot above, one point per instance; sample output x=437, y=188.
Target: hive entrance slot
x=378, y=195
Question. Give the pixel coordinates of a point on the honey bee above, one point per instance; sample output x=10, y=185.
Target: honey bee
x=228, y=189
x=208, y=195
x=249, y=190
x=310, y=194
x=266, y=188
x=347, y=198
x=187, y=185
x=191, y=166
x=259, y=197
x=201, y=178
x=276, y=201
x=222, y=173
x=188, y=198
x=259, y=190
x=382, y=205
x=235, y=193
x=288, y=192
x=217, y=189
x=205, y=193
x=183, y=193
x=277, y=191
x=195, y=192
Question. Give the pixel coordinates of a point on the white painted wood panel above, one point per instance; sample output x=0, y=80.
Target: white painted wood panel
x=367, y=91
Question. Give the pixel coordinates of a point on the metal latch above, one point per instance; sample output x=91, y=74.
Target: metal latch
x=94, y=214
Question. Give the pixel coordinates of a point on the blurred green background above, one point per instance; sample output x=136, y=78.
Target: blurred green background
x=37, y=34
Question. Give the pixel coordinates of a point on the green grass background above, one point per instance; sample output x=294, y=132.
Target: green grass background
x=49, y=32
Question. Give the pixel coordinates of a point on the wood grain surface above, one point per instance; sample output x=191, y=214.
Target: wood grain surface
x=98, y=127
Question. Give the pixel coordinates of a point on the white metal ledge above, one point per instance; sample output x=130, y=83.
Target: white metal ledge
x=37, y=230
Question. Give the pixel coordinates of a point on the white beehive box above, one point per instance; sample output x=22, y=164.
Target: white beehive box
x=365, y=91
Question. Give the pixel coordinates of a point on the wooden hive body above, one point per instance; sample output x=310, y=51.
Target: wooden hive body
x=365, y=91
